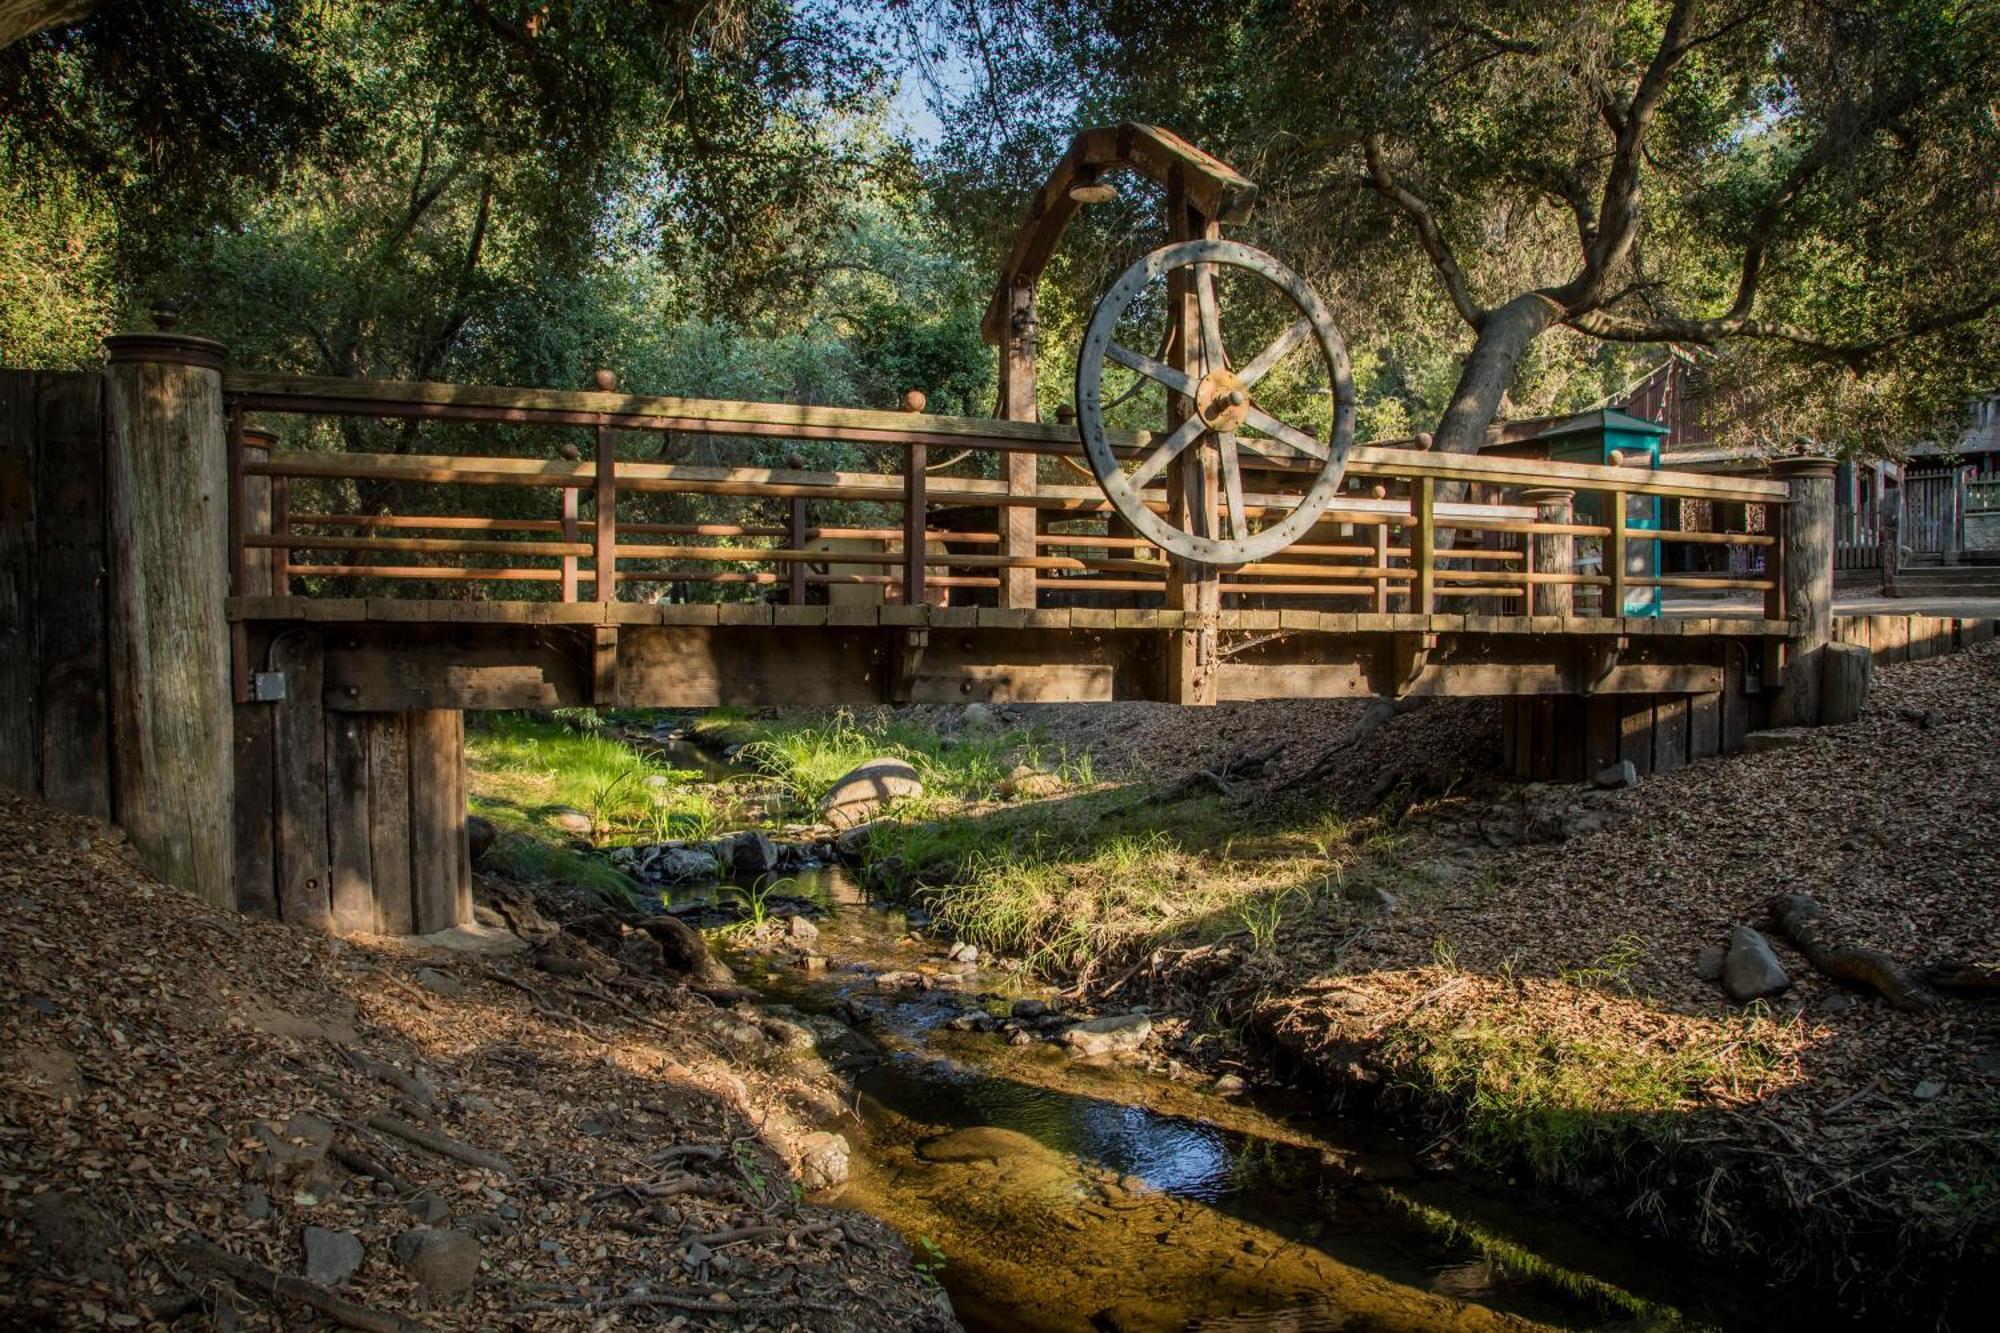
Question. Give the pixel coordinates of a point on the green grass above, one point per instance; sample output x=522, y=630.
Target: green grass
x=522, y=770
x=1560, y=1100
x=808, y=758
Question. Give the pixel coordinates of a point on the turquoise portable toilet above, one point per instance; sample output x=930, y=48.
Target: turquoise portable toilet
x=1593, y=437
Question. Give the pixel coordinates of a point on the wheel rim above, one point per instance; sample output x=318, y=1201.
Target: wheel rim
x=1225, y=403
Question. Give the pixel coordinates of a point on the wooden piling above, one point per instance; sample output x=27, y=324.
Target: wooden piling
x=167, y=497
x=1806, y=584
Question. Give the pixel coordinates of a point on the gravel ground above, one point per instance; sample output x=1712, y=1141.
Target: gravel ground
x=173, y=1074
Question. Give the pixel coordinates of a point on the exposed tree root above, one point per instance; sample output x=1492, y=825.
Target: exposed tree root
x=1805, y=923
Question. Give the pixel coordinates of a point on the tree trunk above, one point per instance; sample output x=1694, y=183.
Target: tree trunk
x=1489, y=369
x=25, y=18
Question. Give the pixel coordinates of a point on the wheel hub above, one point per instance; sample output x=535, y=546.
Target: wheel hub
x=1222, y=400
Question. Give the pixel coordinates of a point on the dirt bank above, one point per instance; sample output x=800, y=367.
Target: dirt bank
x=1521, y=968
x=409, y=1136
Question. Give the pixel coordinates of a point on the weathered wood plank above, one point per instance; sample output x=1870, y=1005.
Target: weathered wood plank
x=436, y=829
x=1670, y=732
x=389, y=820
x=75, y=660
x=724, y=417
x=1601, y=733
x=1635, y=731
x=304, y=892
x=1704, y=725
x=348, y=812
x=20, y=565
x=256, y=809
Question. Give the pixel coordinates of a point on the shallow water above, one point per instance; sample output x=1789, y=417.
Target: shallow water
x=1056, y=1194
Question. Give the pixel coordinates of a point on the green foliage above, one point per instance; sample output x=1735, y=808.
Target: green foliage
x=1559, y=1100
x=1810, y=193
x=808, y=758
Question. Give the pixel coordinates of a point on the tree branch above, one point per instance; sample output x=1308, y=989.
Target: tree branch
x=1613, y=327
x=1433, y=241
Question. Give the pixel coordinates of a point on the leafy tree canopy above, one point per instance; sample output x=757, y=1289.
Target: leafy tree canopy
x=1528, y=193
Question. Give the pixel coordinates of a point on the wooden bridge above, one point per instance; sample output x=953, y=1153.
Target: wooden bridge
x=251, y=642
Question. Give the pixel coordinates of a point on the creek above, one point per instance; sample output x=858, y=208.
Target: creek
x=1049, y=1192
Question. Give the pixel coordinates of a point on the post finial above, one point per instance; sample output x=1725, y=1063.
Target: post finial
x=606, y=380
x=165, y=314
x=914, y=400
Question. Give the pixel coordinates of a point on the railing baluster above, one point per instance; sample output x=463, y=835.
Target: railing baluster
x=795, y=538
x=569, y=534
x=1423, y=546
x=239, y=558
x=281, y=526
x=1614, y=552
x=914, y=525
x=607, y=516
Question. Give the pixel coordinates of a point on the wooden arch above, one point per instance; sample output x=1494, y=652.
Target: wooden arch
x=1210, y=186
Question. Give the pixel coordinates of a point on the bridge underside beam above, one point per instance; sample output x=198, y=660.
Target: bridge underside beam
x=396, y=666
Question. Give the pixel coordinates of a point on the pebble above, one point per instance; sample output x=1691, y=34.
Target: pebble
x=1928, y=1091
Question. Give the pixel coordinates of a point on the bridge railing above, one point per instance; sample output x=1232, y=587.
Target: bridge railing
x=1415, y=531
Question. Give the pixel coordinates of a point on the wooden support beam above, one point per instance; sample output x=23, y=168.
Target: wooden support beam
x=350, y=851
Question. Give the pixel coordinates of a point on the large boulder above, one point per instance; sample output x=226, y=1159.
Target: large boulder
x=861, y=794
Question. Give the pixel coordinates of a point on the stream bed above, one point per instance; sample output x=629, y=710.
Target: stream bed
x=1048, y=1192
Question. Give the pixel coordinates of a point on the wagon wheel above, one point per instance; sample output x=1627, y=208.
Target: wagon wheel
x=1226, y=416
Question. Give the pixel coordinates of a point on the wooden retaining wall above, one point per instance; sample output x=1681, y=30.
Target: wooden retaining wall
x=349, y=821
x=1569, y=738
x=55, y=734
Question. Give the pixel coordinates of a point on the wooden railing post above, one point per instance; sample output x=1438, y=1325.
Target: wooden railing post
x=281, y=526
x=1550, y=553
x=1018, y=403
x=914, y=524
x=1423, y=546
x=167, y=579
x=606, y=558
x=569, y=534
x=1381, y=558
x=795, y=535
x=1614, y=553
x=1804, y=580
x=252, y=566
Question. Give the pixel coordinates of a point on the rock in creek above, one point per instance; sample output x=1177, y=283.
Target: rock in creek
x=800, y=931
x=1750, y=970
x=331, y=1256
x=683, y=950
x=981, y=1143
x=754, y=853
x=862, y=793
x=572, y=820
x=1110, y=1035
x=823, y=1161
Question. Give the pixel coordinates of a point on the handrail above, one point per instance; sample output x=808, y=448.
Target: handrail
x=321, y=395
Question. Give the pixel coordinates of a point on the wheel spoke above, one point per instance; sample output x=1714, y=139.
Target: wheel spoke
x=1232, y=485
x=1214, y=356
x=1178, y=381
x=1300, y=442
x=1281, y=347
x=1164, y=453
